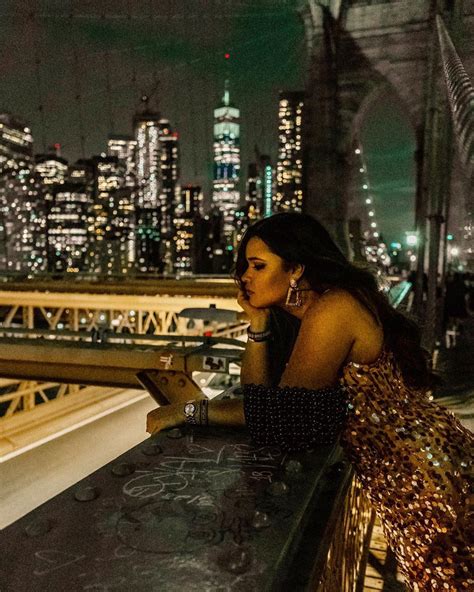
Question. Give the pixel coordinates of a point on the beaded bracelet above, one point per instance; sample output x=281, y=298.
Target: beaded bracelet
x=258, y=337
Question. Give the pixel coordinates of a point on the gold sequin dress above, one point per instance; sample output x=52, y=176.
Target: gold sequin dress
x=415, y=461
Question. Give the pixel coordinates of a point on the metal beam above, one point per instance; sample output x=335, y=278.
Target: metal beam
x=127, y=365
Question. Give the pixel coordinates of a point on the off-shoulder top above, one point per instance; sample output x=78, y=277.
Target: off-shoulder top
x=293, y=417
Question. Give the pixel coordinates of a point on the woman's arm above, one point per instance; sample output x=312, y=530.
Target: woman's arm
x=324, y=342
x=229, y=412
x=256, y=364
x=256, y=360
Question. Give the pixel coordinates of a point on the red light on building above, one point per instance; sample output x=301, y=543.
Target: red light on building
x=227, y=56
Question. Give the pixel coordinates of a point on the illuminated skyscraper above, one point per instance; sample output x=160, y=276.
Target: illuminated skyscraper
x=225, y=194
x=110, y=218
x=67, y=227
x=169, y=164
x=260, y=190
x=16, y=144
x=51, y=168
x=191, y=200
x=187, y=222
x=157, y=171
x=289, y=193
x=22, y=212
x=124, y=148
x=148, y=159
x=252, y=184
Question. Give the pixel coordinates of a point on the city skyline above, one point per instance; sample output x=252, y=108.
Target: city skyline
x=183, y=69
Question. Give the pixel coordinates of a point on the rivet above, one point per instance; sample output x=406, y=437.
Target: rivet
x=164, y=380
x=236, y=561
x=181, y=382
x=278, y=488
x=152, y=449
x=174, y=434
x=293, y=469
x=86, y=494
x=123, y=469
x=39, y=527
x=260, y=520
x=337, y=468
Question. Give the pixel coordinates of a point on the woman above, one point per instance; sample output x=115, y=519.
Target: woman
x=327, y=354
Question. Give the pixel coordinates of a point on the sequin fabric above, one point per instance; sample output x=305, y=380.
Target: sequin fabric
x=415, y=461
x=293, y=417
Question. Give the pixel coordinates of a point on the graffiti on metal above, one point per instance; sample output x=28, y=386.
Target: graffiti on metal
x=186, y=510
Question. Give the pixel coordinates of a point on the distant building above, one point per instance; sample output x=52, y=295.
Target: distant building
x=265, y=202
x=225, y=191
x=289, y=189
x=157, y=171
x=124, y=148
x=81, y=172
x=259, y=199
x=110, y=219
x=192, y=199
x=187, y=226
x=212, y=254
x=169, y=164
x=148, y=163
x=52, y=169
x=67, y=236
x=16, y=144
x=22, y=212
x=252, y=186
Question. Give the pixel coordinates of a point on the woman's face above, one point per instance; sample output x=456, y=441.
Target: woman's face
x=266, y=281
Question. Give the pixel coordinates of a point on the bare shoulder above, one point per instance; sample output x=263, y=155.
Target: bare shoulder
x=339, y=311
x=337, y=303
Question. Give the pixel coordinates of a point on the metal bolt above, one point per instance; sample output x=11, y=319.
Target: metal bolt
x=337, y=468
x=181, y=382
x=293, y=469
x=174, y=434
x=278, y=488
x=164, y=380
x=39, y=527
x=236, y=561
x=260, y=520
x=87, y=494
x=123, y=469
x=152, y=449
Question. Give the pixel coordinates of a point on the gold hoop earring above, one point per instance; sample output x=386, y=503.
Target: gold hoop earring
x=293, y=296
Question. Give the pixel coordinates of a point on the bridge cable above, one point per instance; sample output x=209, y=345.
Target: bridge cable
x=39, y=82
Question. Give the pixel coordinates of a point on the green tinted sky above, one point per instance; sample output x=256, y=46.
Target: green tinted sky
x=54, y=50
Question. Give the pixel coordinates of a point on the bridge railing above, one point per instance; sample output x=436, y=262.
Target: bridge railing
x=206, y=508
x=460, y=94
x=126, y=313
x=321, y=546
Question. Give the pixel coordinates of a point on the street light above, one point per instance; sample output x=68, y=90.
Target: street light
x=411, y=239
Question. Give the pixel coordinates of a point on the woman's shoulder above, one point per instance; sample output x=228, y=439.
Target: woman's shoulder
x=339, y=310
x=334, y=300
x=335, y=311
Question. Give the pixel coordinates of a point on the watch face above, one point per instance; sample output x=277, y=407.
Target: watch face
x=189, y=409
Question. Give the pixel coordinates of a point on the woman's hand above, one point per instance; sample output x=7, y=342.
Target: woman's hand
x=167, y=416
x=259, y=317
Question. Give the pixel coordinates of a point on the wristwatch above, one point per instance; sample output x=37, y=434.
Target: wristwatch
x=190, y=409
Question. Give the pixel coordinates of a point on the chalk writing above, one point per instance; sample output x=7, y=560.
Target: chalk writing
x=55, y=560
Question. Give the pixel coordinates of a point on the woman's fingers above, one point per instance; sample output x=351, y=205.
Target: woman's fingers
x=167, y=416
x=153, y=421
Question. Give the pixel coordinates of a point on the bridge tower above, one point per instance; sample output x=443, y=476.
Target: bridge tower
x=359, y=50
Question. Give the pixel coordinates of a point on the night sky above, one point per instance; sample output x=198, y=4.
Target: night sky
x=111, y=52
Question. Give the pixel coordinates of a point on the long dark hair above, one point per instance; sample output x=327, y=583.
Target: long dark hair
x=299, y=238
